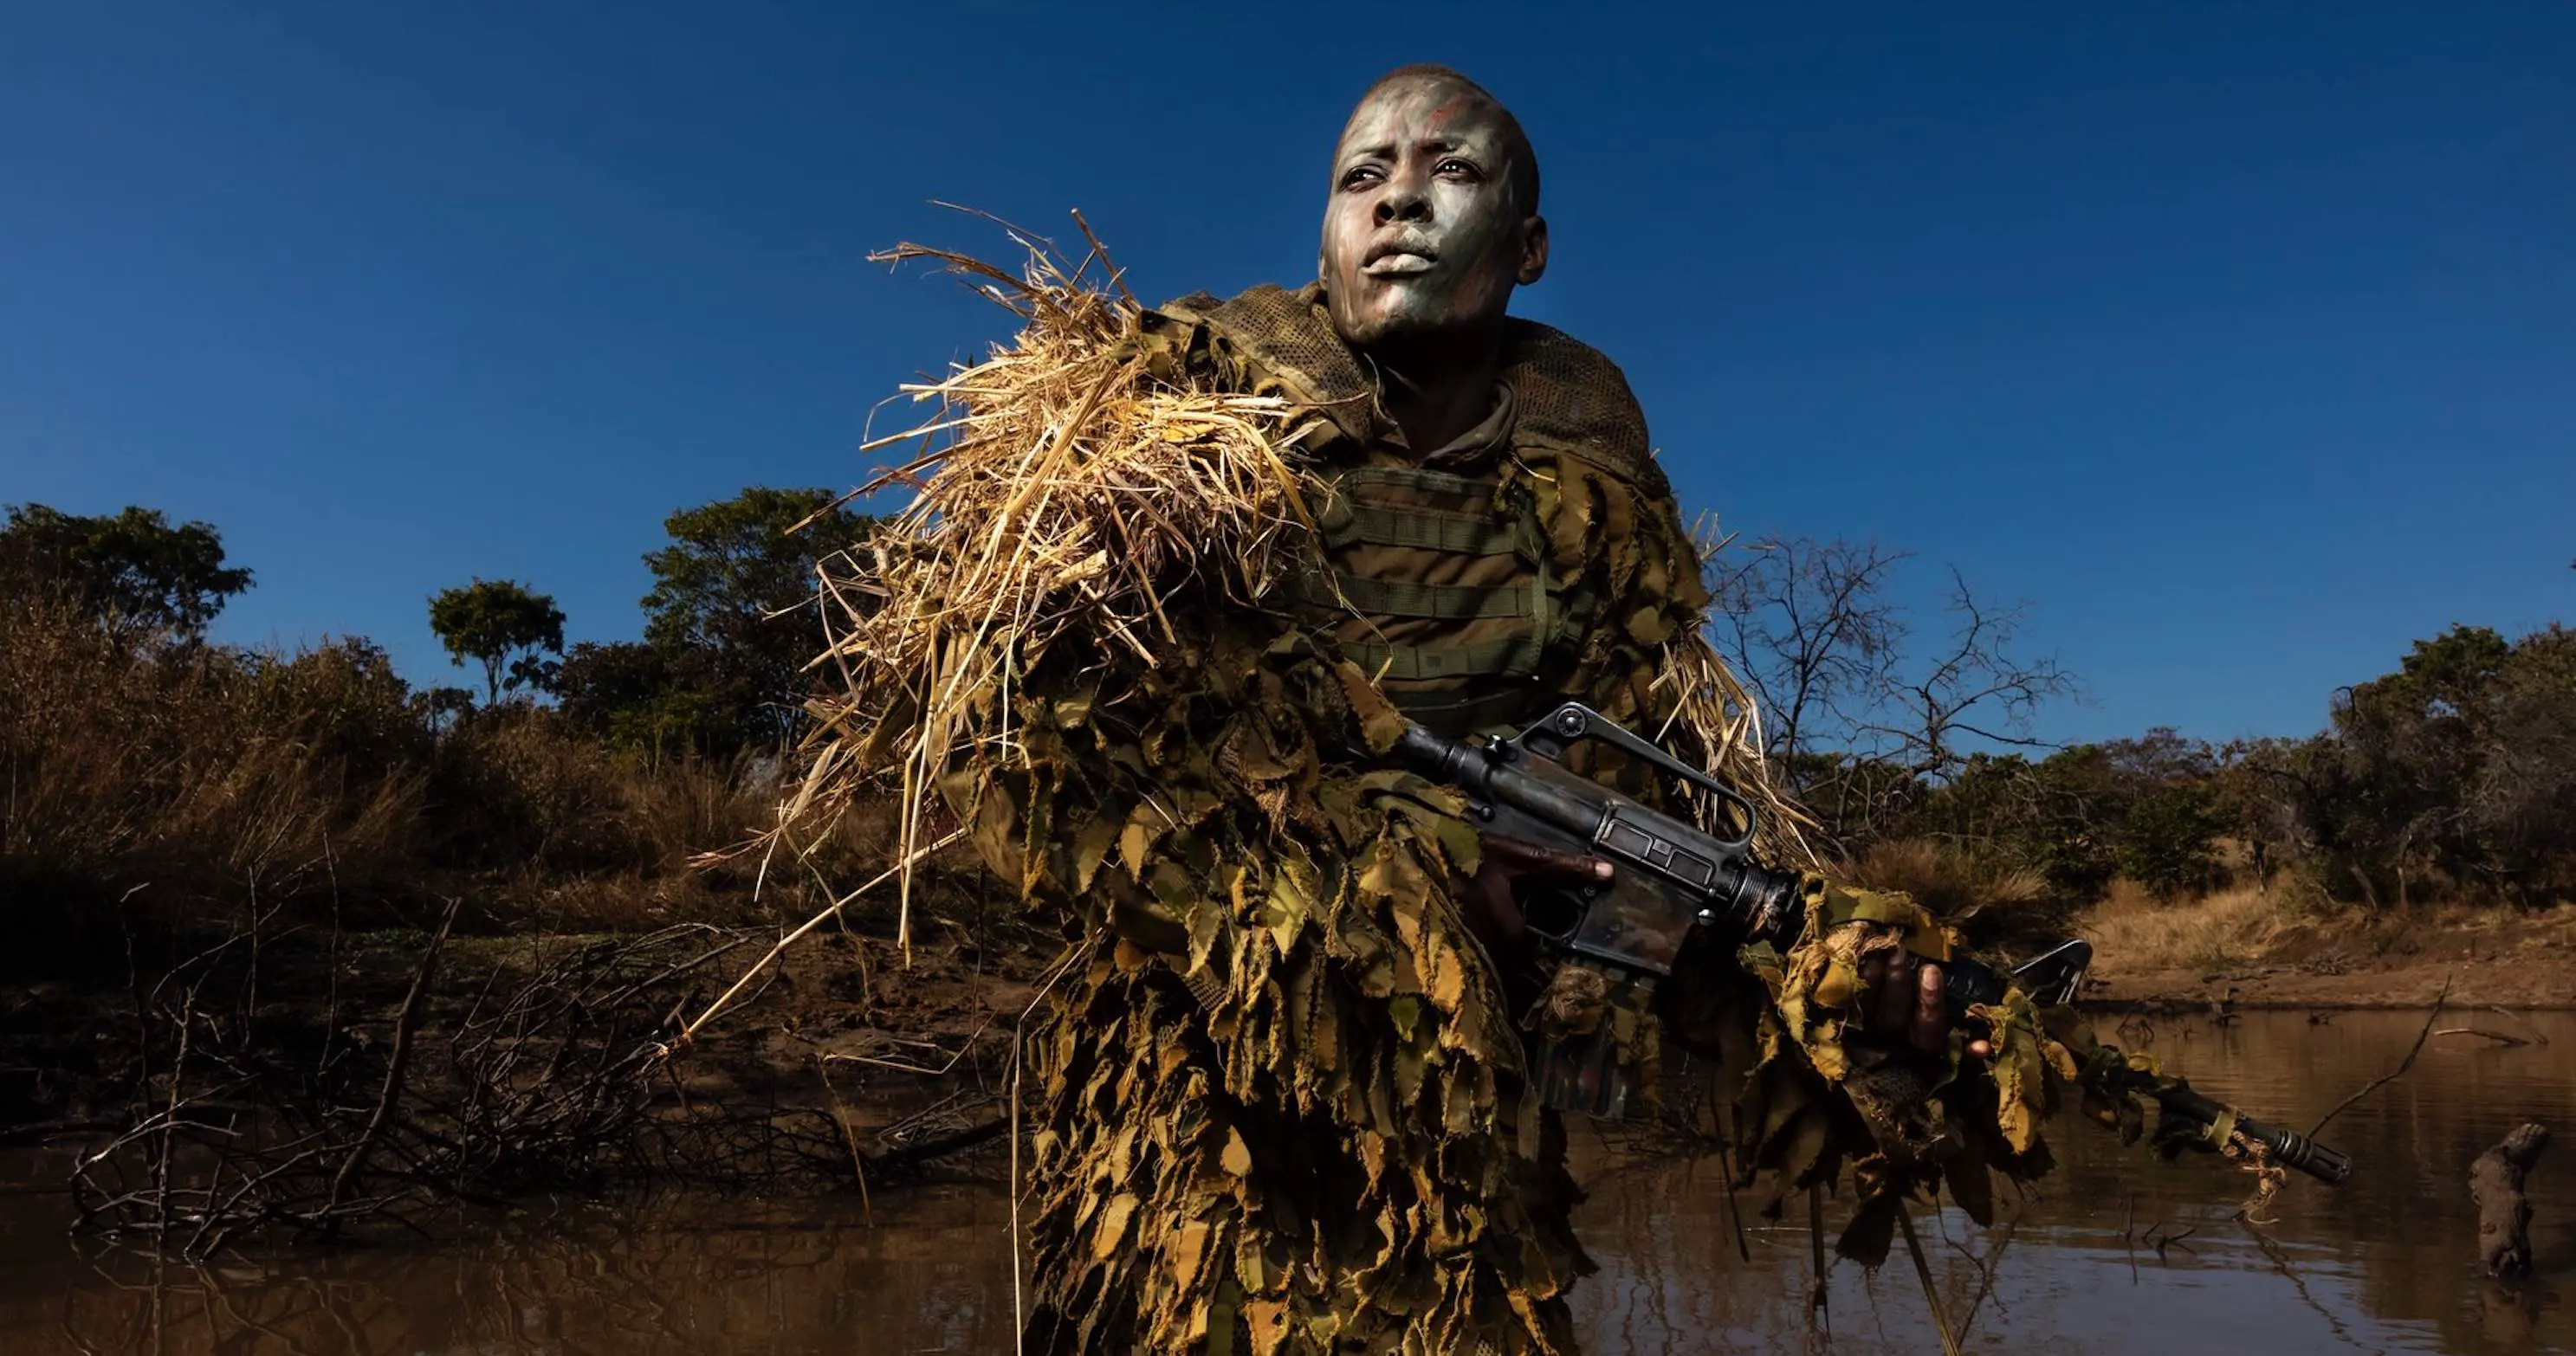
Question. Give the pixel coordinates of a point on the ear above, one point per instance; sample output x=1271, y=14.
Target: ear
x=1533, y=250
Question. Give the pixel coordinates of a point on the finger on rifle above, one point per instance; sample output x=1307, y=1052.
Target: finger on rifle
x=1521, y=855
x=1896, y=996
x=1493, y=890
x=1931, y=1031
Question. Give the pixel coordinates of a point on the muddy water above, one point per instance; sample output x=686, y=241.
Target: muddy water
x=2386, y=1263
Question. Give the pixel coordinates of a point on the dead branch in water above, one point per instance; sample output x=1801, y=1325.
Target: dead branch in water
x=247, y=1120
x=2498, y=1037
x=2504, y=1213
x=2393, y=1075
x=406, y=1022
x=2538, y=1037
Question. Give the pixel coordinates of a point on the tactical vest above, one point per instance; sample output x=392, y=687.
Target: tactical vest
x=1447, y=585
x=1438, y=585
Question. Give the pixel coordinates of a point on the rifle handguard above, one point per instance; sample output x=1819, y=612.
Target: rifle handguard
x=1719, y=883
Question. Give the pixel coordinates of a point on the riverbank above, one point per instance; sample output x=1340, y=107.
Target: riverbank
x=2111, y=1256
x=463, y=1072
x=841, y=1067
x=2257, y=950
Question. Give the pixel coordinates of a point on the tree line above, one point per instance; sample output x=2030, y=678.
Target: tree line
x=2452, y=777
x=727, y=631
x=150, y=767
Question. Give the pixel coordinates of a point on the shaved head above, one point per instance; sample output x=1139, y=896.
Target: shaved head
x=1432, y=217
x=1524, y=168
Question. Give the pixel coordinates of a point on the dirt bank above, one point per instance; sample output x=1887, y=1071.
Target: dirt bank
x=2261, y=952
x=840, y=1048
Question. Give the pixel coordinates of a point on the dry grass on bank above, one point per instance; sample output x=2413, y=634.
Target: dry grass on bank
x=195, y=781
x=2133, y=932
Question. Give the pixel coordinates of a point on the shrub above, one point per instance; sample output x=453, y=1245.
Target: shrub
x=214, y=778
x=192, y=772
x=1995, y=904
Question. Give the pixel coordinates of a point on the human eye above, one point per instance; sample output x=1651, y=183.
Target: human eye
x=1361, y=176
x=1459, y=167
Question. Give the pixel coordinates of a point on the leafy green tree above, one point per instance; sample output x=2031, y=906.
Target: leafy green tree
x=506, y=628
x=643, y=696
x=732, y=606
x=133, y=571
x=2168, y=840
x=2458, y=770
x=442, y=708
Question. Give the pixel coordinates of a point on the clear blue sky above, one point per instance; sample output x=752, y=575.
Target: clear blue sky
x=2239, y=339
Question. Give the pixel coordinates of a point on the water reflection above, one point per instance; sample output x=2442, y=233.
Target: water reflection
x=2387, y=1263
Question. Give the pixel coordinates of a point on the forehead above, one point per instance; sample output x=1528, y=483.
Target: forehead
x=1420, y=109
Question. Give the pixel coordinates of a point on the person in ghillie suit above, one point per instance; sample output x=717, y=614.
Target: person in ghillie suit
x=1283, y=1103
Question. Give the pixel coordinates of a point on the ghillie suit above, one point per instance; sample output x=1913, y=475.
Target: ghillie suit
x=1171, y=575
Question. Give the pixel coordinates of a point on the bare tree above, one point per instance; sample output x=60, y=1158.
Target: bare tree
x=1805, y=626
x=1976, y=688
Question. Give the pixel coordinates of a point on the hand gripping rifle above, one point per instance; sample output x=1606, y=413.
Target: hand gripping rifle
x=1673, y=877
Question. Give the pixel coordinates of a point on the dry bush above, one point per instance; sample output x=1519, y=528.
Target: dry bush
x=518, y=792
x=194, y=770
x=217, y=777
x=678, y=808
x=1997, y=906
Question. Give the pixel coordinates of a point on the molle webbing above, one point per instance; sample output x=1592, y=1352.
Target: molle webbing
x=1344, y=519
x=1435, y=602
x=1516, y=655
x=1440, y=591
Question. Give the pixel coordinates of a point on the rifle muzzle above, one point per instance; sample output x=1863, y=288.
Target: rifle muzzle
x=2288, y=1148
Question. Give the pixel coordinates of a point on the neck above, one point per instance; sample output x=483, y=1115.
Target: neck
x=1437, y=390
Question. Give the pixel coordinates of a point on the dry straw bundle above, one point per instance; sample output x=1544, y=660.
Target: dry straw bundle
x=1062, y=496
x=1059, y=497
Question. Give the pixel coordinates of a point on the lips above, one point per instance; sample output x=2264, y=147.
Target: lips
x=1398, y=258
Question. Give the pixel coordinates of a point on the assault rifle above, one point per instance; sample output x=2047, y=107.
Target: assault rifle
x=1674, y=877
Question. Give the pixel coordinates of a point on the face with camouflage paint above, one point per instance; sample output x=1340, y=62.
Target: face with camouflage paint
x=1425, y=230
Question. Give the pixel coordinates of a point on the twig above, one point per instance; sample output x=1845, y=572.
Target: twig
x=1816, y=1245
x=2538, y=1037
x=2128, y=1241
x=396, y=1065
x=910, y=1154
x=849, y=1136
x=1923, y=1272
x=2400, y=1071
x=1985, y=1277
x=1019, y=1306
x=1726, y=1168
x=2281, y=1263
x=828, y=912
x=2498, y=1037
x=1019, y=1058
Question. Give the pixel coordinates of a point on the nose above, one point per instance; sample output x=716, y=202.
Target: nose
x=1403, y=200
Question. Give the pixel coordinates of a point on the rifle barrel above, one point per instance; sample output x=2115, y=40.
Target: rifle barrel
x=2288, y=1148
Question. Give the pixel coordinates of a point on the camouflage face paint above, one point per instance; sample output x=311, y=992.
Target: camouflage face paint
x=1422, y=232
